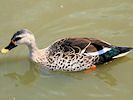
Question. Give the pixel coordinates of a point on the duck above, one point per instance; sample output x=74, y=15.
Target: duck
x=68, y=54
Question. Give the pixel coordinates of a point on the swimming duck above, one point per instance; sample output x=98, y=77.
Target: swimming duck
x=68, y=54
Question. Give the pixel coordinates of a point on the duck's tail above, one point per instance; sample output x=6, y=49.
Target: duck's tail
x=122, y=51
x=114, y=53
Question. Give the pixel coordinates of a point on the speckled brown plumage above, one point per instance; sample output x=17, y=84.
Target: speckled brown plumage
x=68, y=54
x=65, y=54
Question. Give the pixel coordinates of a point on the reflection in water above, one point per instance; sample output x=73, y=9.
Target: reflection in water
x=104, y=74
x=28, y=78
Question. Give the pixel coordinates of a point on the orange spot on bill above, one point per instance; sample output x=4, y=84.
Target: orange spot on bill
x=12, y=41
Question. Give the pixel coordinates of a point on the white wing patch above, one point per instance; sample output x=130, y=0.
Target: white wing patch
x=96, y=53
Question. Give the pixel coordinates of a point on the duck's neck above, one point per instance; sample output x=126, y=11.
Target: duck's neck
x=37, y=55
x=33, y=50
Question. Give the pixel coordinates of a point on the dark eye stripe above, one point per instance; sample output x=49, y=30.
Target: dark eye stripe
x=18, y=38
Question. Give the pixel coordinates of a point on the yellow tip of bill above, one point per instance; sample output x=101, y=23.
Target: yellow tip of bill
x=4, y=50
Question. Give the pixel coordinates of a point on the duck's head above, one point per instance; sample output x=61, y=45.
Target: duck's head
x=20, y=37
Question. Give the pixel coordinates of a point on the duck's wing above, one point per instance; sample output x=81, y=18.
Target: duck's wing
x=85, y=46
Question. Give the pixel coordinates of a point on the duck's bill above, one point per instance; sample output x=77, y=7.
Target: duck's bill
x=4, y=50
x=8, y=48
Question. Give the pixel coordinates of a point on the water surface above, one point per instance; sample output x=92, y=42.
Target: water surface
x=49, y=20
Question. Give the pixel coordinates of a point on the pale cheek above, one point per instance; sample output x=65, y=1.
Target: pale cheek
x=19, y=43
x=23, y=42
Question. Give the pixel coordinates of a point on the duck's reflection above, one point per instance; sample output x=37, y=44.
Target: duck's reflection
x=104, y=74
x=27, y=78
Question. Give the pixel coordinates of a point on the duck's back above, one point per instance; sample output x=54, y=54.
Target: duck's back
x=75, y=54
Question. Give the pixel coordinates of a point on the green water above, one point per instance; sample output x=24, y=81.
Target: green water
x=49, y=20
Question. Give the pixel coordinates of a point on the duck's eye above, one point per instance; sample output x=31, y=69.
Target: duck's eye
x=18, y=38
